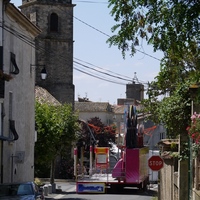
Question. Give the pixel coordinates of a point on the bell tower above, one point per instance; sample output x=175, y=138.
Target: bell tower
x=54, y=46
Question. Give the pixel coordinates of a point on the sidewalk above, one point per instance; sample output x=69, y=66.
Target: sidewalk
x=62, y=188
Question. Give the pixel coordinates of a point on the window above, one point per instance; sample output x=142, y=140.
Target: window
x=13, y=66
x=54, y=22
x=162, y=134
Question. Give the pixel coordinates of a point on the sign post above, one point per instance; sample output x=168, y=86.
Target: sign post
x=155, y=163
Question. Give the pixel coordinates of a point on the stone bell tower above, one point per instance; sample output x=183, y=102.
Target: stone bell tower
x=54, y=46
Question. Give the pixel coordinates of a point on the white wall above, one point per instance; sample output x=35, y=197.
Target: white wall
x=23, y=101
x=153, y=175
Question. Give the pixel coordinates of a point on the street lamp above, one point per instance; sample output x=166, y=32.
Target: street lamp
x=43, y=72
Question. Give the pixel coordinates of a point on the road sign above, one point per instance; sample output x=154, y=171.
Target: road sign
x=102, y=156
x=155, y=163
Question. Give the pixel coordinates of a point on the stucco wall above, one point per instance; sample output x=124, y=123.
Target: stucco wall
x=23, y=99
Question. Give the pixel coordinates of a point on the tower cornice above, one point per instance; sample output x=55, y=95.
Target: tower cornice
x=67, y=3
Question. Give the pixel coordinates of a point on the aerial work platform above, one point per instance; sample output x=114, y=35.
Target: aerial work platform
x=130, y=171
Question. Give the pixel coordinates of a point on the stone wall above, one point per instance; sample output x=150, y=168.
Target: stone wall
x=54, y=49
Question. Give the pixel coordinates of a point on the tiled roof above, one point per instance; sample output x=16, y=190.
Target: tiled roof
x=120, y=108
x=92, y=106
x=43, y=96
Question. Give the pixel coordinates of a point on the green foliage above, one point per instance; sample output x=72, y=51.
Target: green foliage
x=195, y=149
x=194, y=128
x=172, y=27
x=173, y=112
x=66, y=165
x=167, y=25
x=39, y=182
x=56, y=129
x=103, y=134
x=42, y=170
x=185, y=153
x=189, y=149
x=173, y=146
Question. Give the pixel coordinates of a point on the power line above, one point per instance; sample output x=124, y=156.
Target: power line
x=103, y=72
x=30, y=42
x=102, y=68
x=110, y=36
x=25, y=39
x=105, y=33
x=89, y=73
x=19, y=36
x=96, y=29
x=99, y=77
x=91, y=26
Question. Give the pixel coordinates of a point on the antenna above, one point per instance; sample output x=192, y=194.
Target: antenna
x=135, y=77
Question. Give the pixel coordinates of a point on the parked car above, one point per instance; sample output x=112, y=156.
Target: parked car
x=21, y=191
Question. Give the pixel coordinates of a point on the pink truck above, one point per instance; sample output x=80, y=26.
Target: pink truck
x=132, y=168
x=130, y=171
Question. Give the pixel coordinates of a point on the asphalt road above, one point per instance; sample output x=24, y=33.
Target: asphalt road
x=67, y=191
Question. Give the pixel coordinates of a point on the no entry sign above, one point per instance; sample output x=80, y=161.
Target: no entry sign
x=155, y=163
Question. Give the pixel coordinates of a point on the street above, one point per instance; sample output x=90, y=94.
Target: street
x=69, y=192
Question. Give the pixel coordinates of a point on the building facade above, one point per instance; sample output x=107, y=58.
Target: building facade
x=54, y=46
x=135, y=91
x=88, y=110
x=17, y=103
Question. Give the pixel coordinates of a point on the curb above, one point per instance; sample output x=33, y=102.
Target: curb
x=56, y=180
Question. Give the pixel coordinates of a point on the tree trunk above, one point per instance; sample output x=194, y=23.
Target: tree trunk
x=52, y=172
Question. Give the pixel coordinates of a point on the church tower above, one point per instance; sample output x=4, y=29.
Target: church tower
x=54, y=46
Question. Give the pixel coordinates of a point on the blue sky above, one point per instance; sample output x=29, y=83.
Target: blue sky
x=92, y=26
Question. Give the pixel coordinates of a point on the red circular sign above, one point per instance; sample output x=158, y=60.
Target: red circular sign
x=155, y=163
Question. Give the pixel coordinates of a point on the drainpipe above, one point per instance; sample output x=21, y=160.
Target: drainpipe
x=1, y=129
x=1, y=67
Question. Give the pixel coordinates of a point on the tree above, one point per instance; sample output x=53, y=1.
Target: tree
x=172, y=27
x=57, y=128
x=103, y=135
x=173, y=112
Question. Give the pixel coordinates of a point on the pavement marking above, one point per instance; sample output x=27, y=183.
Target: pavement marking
x=72, y=189
x=59, y=196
